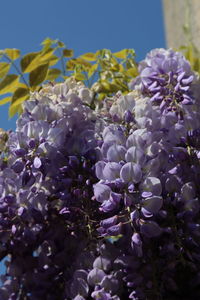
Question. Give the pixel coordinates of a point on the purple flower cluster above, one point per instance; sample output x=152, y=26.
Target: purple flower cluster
x=46, y=189
x=148, y=181
x=105, y=204
x=166, y=77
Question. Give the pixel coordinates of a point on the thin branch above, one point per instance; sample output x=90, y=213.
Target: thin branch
x=17, y=69
x=62, y=63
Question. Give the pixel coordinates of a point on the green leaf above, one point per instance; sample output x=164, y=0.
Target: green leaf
x=121, y=54
x=83, y=62
x=89, y=56
x=115, y=67
x=80, y=76
x=130, y=63
x=53, y=60
x=33, y=60
x=96, y=87
x=53, y=74
x=121, y=68
x=65, y=77
x=13, y=110
x=131, y=52
x=7, y=85
x=47, y=41
x=105, y=86
x=5, y=100
x=121, y=85
x=38, y=75
x=133, y=72
x=19, y=96
x=92, y=70
x=46, y=55
x=72, y=63
x=4, y=68
x=29, y=62
x=68, y=53
x=61, y=44
x=12, y=53
x=102, y=96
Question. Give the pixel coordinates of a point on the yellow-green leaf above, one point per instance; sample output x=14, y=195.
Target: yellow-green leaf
x=121, y=68
x=19, y=96
x=12, y=53
x=121, y=54
x=7, y=85
x=89, y=56
x=5, y=100
x=130, y=64
x=68, y=52
x=4, y=68
x=53, y=74
x=79, y=76
x=38, y=75
x=133, y=72
x=83, y=62
x=48, y=41
x=53, y=60
x=102, y=96
x=13, y=110
x=96, y=87
x=20, y=85
x=105, y=86
x=61, y=44
x=33, y=60
x=65, y=77
x=29, y=61
x=122, y=86
x=115, y=67
x=131, y=52
x=92, y=70
x=114, y=87
x=72, y=63
x=46, y=55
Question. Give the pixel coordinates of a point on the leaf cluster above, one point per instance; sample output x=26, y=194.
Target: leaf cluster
x=21, y=75
x=104, y=72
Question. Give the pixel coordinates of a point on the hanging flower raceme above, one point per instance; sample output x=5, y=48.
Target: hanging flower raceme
x=104, y=204
x=145, y=190
x=46, y=181
x=166, y=77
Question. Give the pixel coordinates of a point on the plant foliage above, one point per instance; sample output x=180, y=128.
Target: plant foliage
x=105, y=72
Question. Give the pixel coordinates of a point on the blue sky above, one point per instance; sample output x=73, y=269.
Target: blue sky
x=85, y=26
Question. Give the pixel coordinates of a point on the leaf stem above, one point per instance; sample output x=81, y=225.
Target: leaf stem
x=17, y=69
x=87, y=79
x=62, y=63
